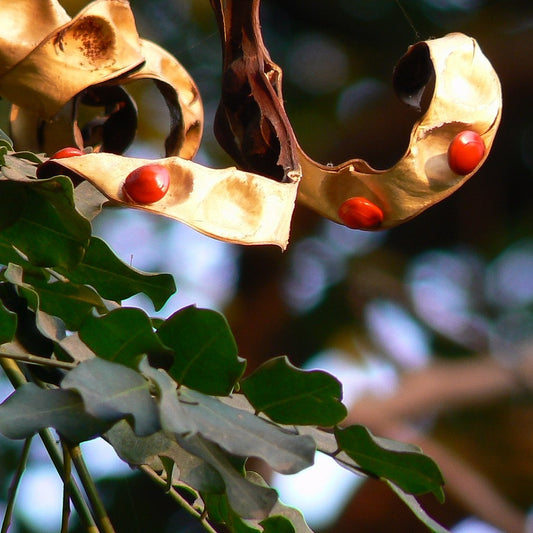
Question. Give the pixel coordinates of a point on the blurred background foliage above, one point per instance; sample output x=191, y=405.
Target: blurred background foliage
x=452, y=285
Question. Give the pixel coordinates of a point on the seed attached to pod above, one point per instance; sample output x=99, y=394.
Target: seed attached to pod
x=359, y=213
x=465, y=152
x=69, y=151
x=147, y=184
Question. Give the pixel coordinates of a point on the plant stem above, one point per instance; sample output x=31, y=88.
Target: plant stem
x=15, y=484
x=175, y=495
x=17, y=379
x=67, y=475
x=90, y=488
x=36, y=360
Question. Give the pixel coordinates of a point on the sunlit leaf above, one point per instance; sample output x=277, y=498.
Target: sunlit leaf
x=111, y=391
x=48, y=229
x=30, y=409
x=413, y=472
x=122, y=336
x=68, y=301
x=115, y=280
x=205, y=352
x=290, y=395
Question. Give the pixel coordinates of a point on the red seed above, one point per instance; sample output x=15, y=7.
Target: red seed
x=360, y=213
x=69, y=151
x=465, y=152
x=147, y=184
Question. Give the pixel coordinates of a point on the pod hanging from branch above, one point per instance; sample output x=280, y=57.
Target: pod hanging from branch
x=451, y=73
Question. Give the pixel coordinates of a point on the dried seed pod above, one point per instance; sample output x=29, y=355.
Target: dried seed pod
x=466, y=96
x=71, y=60
x=227, y=204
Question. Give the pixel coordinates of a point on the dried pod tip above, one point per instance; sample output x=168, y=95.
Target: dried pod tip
x=147, y=184
x=69, y=151
x=465, y=152
x=359, y=213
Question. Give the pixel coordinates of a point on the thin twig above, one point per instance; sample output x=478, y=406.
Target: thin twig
x=90, y=489
x=17, y=379
x=13, y=487
x=67, y=474
x=175, y=495
x=36, y=360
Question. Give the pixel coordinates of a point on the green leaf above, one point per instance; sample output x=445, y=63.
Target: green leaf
x=289, y=395
x=68, y=301
x=5, y=140
x=30, y=409
x=124, y=335
x=220, y=511
x=137, y=450
x=247, y=499
x=205, y=351
x=172, y=414
x=244, y=434
x=88, y=199
x=413, y=472
x=48, y=230
x=115, y=280
x=111, y=391
x=8, y=324
x=292, y=515
x=277, y=524
x=417, y=509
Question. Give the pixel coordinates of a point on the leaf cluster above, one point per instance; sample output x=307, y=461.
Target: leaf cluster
x=167, y=394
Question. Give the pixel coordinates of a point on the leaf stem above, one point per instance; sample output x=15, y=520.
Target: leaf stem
x=90, y=488
x=175, y=495
x=13, y=487
x=36, y=360
x=67, y=475
x=17, y=379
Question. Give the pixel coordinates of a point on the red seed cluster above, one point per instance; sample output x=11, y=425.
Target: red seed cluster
x=147, y=184
x=466, y=152
x=359, y=213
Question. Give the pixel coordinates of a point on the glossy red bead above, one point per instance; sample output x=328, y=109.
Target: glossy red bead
x=147, y=184
x=360, y=213
x=69, y=151
x=466, y=152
